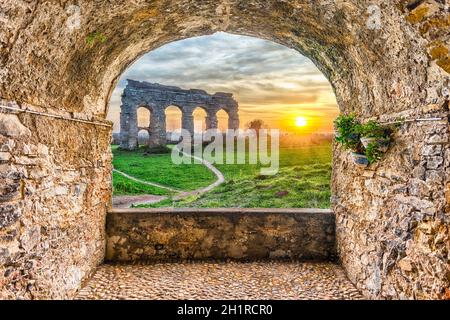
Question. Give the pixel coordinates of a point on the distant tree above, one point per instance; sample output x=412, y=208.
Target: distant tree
x=256, y=124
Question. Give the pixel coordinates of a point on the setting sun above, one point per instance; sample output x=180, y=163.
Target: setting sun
x=301, y=122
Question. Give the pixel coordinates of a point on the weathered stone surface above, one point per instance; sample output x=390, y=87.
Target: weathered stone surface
x=9, y=214
x=46, y=214
x=4, y=157
x=9, y=189
x=240, y=234
x=385, y=59
x=259, y=280
x=406, y=248
x=156, y=98
x=10, y=126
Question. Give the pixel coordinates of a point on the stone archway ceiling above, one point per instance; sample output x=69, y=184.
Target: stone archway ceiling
x=69, y=56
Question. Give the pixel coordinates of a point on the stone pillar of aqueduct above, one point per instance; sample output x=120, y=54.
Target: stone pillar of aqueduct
x=60, y=60
x=156, y=98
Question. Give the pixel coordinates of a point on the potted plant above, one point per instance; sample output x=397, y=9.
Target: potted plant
x=373, y=133
x=347, y=131
x=373, y=152
x=348, y=135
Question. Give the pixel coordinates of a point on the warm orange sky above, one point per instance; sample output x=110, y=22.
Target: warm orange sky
x=270, y=81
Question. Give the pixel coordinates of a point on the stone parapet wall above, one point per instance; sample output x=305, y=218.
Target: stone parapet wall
x=240, y=234
x=55, y=186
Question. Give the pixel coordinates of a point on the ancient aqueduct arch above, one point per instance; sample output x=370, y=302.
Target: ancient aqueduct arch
x=156, y=98
x=384, y=61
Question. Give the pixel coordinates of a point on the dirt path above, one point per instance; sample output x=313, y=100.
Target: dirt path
x=154, y=184
x=128, y=201
x=218, y=182
x=124, y=202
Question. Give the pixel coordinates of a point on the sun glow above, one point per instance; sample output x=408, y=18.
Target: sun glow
x=301, y=121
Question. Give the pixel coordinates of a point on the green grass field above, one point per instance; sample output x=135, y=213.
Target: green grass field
x=156, y=168
x=126, y=187
x=302, y=182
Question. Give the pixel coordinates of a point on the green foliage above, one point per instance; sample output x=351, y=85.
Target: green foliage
x=124, y=187
x=95, y=36
x=305, y=173
x=256, y=124
x=373, y=153
x=372, y=129
x=348, y=131
x=398, y=122
x=158, y=150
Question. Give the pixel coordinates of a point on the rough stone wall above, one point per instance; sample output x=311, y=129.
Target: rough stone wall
x=156, y=98
x=54, y=189
x=393, y=219
x=239, y=234
x=383, y=58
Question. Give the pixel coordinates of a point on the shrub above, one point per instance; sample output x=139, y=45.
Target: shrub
x=372, y=129
x=373, y=153
x=348, y=131
x=157, y=150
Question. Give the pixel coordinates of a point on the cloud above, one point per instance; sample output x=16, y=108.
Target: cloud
x=259, y=73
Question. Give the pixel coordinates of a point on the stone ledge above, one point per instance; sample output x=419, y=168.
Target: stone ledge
x=200, y=234
x=220, y=210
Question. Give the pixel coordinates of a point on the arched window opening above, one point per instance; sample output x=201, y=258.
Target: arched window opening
x=143, y=116
x=174, y=117
x=278, y=89
x=222, y=120
x=199, y=120
x=143, y=137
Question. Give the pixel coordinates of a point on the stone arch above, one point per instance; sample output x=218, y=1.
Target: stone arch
x=233, y=117
x=130, y=124
x=157, y=97
x=384, y=61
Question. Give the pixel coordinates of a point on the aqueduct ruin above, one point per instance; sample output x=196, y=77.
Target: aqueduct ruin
x=156, y=98
x=385, y=59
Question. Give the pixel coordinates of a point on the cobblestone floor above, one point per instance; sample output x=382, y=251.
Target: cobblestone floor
x=231, y=280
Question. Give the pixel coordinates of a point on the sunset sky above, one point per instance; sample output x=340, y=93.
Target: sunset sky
x=270, y=81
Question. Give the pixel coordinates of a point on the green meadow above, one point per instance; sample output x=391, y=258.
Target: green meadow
x=156, y=168
x=303, y=180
